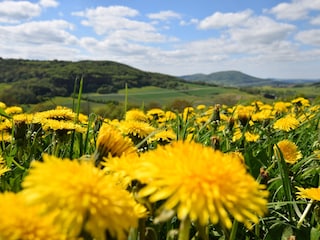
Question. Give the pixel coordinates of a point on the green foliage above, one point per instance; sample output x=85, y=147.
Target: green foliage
x=35, y=81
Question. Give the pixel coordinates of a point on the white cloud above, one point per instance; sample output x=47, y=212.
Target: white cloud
x=221, y=20
x=48, y=3
x=37, y=33
x=13, y=12
x=18, y=11
x=310, y=37
x=116, y=22
x=261, y=30
x=297, y=9
x=315, y=21
x=189, y=22
x=164, y=15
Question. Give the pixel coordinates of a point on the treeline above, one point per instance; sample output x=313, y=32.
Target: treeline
x=32, y=81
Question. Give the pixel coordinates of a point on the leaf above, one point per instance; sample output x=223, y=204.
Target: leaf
x=287, y=233
x=4, y=114
x=314, y=234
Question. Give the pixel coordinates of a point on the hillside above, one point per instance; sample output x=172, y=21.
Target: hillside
x=230, y=78
x=31, y=81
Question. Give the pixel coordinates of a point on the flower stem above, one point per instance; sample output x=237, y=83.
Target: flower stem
x=234, y=229
x=304, y=214
x=184, y=229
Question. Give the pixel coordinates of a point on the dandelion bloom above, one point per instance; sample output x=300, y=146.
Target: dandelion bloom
x=289, y=151
x=286, y=123
x=20, y=221
x=110, y=141
x=251, y=137
x=237, y=135
x=84, y=197
x=155, y=113
x=136, y=115
x=163, y=137
x=136, y=128
x=281, y=107
x=300, y=101
x=3, y=167
x=202, y=184
x=13, y=110
x=310, y=193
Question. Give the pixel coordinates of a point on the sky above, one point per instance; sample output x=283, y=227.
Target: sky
x=263, y=38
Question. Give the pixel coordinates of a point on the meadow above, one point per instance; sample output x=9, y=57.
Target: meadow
x=211, y=171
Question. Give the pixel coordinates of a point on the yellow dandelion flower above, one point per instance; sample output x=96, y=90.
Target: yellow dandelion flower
x=169, y=115
x=310, y=193
x=251, y=137
x=3, y=167
x=202, y=184
x=3, y=105
x=237, y=135
x=281, y=107
x=287, y=123
x=122, y=168
x=13, y=110
x=188, y=113
x=136, y=115
x=262, y=115
x=136, y=128
x=155, y=113
x=202, y=120
x=5, y=136
x=111, y=142
x=56, y=125
x=164, y=136
x=301, y=102
x=83, y=197
x=289, y=151
x=201, y=107
x=20, y=221
x=59, y=113
x=23, y=118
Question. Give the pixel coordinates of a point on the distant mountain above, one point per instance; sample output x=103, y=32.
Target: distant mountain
x=239, y=79
x=230, y=78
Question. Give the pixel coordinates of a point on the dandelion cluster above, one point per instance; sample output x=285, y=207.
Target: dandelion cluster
x=206, y=172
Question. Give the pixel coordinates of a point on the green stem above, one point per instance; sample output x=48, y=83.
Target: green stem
x=18, y=165
x=203, y=232
x=234, y=229
x=126, y=99
x=184, y=230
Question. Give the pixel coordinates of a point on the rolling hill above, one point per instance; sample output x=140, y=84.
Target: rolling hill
x=32, y=81
x=230, y=78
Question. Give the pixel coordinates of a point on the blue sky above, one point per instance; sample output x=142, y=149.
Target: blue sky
x=263, y=38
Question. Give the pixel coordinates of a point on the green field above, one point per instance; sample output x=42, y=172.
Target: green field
x=194, y=94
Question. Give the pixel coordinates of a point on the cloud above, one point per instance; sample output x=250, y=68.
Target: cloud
x=296, y=10
x=164, y=15
x=310, y=37
x=18, y=11
x=116, y=22
x=13, y=12
x=315, y=21
x=48, y=3
x=189, y=22
x=244, y=27
x=37, y=33
x=261, y=30
x=222, y=20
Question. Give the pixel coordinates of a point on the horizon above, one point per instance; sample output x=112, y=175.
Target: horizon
x=268, y=39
